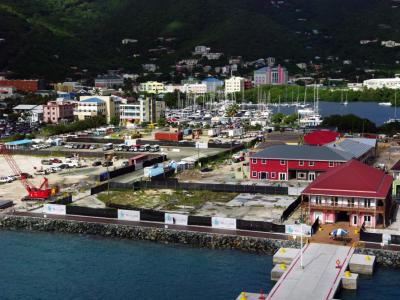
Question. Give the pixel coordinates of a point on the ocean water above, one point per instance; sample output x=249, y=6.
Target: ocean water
x=370, y=110
x=60, y=266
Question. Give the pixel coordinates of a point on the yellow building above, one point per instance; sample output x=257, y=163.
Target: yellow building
x=152, y=87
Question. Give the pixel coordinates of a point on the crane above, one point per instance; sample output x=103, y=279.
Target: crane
x=34, y=193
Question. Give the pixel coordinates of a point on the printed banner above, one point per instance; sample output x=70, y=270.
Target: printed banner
x=128, y=215
x=296, y=230
x=176, y=219
x=54, y=209
x=223, y=223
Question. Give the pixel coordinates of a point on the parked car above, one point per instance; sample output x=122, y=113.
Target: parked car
x=56, y=161
x=107, y=163
x=204, y=170
x=96, y=163
x=6, y=179
x=125, y=164
x=93, y=147
x=69, y=146
x=63, y=166
x=46, y=162
x=154, y=148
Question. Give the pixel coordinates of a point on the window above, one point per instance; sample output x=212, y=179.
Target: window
x=301, y=163
x=273, y=175
x=367, y=220
x=254, y=161
x=331, y=164
x=311, y=163
x=283, y=162
x=254, y=174
x=264, y=161
x=282, y=176
x=367, y=202
x=351, y=202
x=319, y=200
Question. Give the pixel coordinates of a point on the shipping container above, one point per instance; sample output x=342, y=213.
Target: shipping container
x=166, y=136
x=138, y=161
x=153, y=171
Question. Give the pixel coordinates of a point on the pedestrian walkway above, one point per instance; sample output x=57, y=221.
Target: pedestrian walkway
x=319, y=278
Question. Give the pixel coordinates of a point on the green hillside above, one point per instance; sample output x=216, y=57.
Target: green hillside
x=55, y=38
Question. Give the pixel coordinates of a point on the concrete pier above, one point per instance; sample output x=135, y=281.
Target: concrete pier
x=278, y=271
x=362, y=264
x=285, y=256
x=349, y=281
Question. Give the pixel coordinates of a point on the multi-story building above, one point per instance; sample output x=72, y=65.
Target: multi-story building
x=28, y=86
x=196, y=88
x=380, y=83
x=90, y=107
x=270, y=75
x=108, y=81
x=200, y=50
x=107, y=106
x=353, y=193
x=234, y=84
x=58, y=111
x=213, y=84
x=144, y=110
x=152, y=87
x=286, y=162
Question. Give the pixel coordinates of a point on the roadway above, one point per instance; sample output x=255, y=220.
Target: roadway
x=318, y=279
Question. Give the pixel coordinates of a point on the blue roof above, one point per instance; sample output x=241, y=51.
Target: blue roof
x=211, y=79
x=262, y=70
x=93, y=100
x=19, y=142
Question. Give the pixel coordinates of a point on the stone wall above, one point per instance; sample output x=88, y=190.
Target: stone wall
x=384, y=258
x=161, y=235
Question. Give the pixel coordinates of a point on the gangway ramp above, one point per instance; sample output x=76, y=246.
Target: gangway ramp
x=318, y=279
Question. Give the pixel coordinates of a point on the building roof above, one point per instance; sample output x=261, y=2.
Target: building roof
x=211, y=79
x=396, y=166
x=19, y=142
x=320, y=137
x=25, y=107
x=290, y=152
x=352, y=179
x=355, y=146
x=93, y=100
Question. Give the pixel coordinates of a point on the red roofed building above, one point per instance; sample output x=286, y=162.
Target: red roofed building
x=29, y=86
x=320, y=137
x=352, y=192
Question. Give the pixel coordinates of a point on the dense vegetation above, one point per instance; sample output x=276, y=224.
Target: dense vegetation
x=76, y=126
x=53, y=39
x=294, y=93
x=353, y=123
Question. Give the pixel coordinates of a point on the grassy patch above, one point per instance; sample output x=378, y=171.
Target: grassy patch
x=164, y=199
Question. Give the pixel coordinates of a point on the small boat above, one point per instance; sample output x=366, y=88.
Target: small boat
x=385, y=103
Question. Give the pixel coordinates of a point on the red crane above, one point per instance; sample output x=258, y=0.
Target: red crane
x=34, y=193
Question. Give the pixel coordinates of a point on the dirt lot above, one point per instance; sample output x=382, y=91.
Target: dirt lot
x=206, y=203
x=69, y=180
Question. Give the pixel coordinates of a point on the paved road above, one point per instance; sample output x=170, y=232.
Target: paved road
x=319, y=279
x=243, y=233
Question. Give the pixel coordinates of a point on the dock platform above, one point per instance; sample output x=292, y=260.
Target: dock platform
x=323, y=267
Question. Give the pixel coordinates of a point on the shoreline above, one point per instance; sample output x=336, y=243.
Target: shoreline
x=259, y=245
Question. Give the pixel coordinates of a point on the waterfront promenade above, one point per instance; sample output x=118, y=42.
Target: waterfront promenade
x=320, y=276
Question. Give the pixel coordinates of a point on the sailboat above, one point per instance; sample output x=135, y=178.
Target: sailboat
x=341, y=100
x=395, y=119
x=312, y=118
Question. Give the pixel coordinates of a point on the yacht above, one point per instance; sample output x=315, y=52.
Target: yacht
x=395, y=119
x=385, y=103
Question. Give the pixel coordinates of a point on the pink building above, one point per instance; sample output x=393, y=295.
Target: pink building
x=57, y=111
x=354, y=193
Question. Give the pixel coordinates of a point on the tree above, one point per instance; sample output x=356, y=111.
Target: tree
x=232, y=110
x=115, y=121
x=277, y=118
x=161, y=122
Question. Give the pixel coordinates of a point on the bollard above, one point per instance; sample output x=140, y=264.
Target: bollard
x=283, y=267
x=261, y=297
x=243, y=296
x=347, y=274
x=283, y=250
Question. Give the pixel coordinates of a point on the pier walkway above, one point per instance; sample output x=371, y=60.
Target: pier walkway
x=318, y=279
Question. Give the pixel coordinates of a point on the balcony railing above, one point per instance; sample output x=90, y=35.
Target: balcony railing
x=345, y=207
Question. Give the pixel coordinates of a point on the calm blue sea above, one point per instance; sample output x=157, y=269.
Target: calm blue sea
x=57, y=266
x=370, y=110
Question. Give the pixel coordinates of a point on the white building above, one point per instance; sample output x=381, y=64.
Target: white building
x=234, y=84
x=143, y=110
x=199, y=50
x=152, y=87
x=195, y=88
x=379, y=83
x=106, y=106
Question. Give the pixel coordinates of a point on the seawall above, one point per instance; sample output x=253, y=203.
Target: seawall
x=160, y=235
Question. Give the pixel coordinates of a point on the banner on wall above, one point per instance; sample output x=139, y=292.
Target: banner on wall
x=223, y=223
x=296, y=230
x=128, y=215
x=54, y=209
x=176, y=219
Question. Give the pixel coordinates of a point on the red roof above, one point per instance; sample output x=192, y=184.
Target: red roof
x=352, y=179
x=320, y=137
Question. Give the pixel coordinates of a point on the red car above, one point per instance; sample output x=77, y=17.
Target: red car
x=56, y=161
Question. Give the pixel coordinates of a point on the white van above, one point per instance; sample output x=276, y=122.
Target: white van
x=108, y=146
